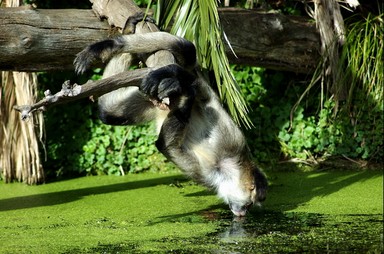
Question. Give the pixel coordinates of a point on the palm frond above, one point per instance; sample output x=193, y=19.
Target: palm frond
x=364, y=54
x=199, y=22
x=19, y=143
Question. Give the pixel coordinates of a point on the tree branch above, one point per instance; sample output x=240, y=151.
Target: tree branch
x=74, y=92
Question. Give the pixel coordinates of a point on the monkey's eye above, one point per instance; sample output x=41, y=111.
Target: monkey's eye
x=252, y=187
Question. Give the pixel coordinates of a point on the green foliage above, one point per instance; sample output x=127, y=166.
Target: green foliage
x=324, y=134
x=143, y=3
x=353, y=127
x=79, y=144
x=363, y=55
x=312, y=133
x=82, y=144
x=118, y=149
x=270, y=105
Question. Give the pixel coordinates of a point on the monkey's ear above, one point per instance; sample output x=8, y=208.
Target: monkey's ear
x=261, y=185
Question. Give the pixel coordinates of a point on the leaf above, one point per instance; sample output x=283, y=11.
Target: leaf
x=199, y=22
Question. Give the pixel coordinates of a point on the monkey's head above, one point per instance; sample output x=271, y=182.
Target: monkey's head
x=242, y=185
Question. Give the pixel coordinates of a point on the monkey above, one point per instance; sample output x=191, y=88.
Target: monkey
x=194, y=130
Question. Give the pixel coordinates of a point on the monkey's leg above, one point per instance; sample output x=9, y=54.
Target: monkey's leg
x=125, y=106
x=178, y=85
x=172, y=143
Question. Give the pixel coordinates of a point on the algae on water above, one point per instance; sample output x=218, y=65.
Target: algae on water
x=304, y=212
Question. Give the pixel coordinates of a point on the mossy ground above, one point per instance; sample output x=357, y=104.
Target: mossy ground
x=305, y=212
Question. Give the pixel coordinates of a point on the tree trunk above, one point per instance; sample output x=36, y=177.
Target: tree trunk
x=41, y=40
x=271, y=40
x=19, y=141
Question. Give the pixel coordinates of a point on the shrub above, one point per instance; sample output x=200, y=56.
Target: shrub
x=312, y=131
x=79, y=144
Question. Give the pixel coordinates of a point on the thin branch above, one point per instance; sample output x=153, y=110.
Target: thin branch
x=74, y=92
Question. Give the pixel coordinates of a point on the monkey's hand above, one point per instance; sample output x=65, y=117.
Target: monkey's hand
x=161, y=90
x=132, y=21
x=171, y=87
x=106, y=49
x=103, y=50
x=167, y=83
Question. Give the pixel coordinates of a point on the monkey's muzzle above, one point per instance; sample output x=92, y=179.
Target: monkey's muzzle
x=240, y=210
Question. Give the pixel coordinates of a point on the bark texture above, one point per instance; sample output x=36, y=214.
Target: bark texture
x=41, y=40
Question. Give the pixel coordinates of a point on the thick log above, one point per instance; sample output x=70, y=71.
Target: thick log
x=271, y=40
x=40, y=40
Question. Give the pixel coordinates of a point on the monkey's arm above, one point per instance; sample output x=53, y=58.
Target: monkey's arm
x=183, y=50
x=74, y=92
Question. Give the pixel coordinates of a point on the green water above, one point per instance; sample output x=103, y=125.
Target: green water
x=324, y=212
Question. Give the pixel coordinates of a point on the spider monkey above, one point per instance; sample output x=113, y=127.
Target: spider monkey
x=194, y=130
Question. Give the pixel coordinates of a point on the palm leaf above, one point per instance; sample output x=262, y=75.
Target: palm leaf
x=363, y=56
x=199, y=22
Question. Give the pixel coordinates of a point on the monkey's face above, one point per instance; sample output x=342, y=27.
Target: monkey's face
x=239, y=196
x=242, y=187
x=240, y=204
